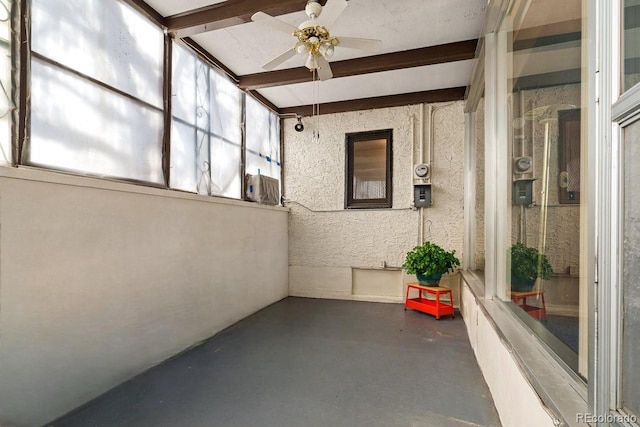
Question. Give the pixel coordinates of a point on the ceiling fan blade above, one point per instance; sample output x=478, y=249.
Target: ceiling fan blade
x=357, y=43
x=331, y=11
x=272, y=22
x=324, y=69
x=290, y=53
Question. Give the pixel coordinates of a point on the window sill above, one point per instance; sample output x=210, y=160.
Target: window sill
x=53, y=177
x=560, y=390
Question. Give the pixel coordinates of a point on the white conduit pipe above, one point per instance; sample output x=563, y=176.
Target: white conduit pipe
x=412, y=125
x=413, y=160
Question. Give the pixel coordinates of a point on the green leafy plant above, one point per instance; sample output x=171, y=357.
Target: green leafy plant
x=528, y=264
x=430, y=259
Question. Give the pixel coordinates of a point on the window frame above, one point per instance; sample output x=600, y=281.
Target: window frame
x=21, y=75
x=23, y=56
x=350, y=140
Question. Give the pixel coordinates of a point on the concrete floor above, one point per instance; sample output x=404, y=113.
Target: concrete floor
x=310, y=362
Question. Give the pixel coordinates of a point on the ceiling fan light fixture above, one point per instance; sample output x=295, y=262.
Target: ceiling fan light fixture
x=311, y=62
x=314, y=39
x=329, y=51
x=313, y=9
x=301, y=48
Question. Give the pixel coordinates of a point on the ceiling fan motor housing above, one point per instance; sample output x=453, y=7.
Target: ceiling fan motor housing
x=314, y=38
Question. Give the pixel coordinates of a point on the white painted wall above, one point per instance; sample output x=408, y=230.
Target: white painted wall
x=516, y=401
x=100, y=281
x=326, y=242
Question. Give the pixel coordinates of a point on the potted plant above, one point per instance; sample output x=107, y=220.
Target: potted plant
x=429, y=262
x=527, y=264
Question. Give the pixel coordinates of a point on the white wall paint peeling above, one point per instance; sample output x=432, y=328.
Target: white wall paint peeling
x=325, y=238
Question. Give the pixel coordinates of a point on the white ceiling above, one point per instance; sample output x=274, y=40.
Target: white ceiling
x=399, y=24
x=173, y=7
x=406, y=80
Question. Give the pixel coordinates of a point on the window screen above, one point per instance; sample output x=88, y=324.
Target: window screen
x=263, y=140
x=96, y=89
x=206, y=135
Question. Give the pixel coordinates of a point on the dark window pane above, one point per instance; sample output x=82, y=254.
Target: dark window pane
x=370, y=169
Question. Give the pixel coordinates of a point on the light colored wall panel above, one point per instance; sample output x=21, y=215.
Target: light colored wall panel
x=514, y=397
x=100, y=281
x=377, y=283
x=320, y=282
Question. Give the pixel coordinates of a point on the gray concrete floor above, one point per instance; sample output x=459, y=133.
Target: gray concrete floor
x=310, y=362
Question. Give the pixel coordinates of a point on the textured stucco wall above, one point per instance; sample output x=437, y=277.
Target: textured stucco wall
x=325, y=240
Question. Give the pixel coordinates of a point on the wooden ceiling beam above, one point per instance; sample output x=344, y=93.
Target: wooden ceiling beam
x=430, y=96
x=431, y=55
x=227, y=14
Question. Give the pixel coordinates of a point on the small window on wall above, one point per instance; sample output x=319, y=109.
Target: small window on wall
x=368, y=171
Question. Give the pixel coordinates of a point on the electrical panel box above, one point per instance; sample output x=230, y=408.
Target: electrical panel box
x=263, y=189
x=523, y=192
x=422, y=195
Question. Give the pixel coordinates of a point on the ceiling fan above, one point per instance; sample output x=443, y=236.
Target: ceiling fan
x=313, y=37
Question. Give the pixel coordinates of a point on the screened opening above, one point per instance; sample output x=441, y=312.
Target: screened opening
x=206, y=128
x=96, y=90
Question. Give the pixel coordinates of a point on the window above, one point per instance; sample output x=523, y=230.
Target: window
x=630, y=375
x=631, y=43
x=96, y=90
x=368, y=173
x=263, y=140
x=542, y=174
x=206, y=128
x=478, y=253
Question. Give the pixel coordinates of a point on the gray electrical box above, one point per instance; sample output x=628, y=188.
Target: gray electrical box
x=523, y=191
x=422, y=195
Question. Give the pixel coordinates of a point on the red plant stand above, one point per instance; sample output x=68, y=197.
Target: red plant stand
x=434, y=306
